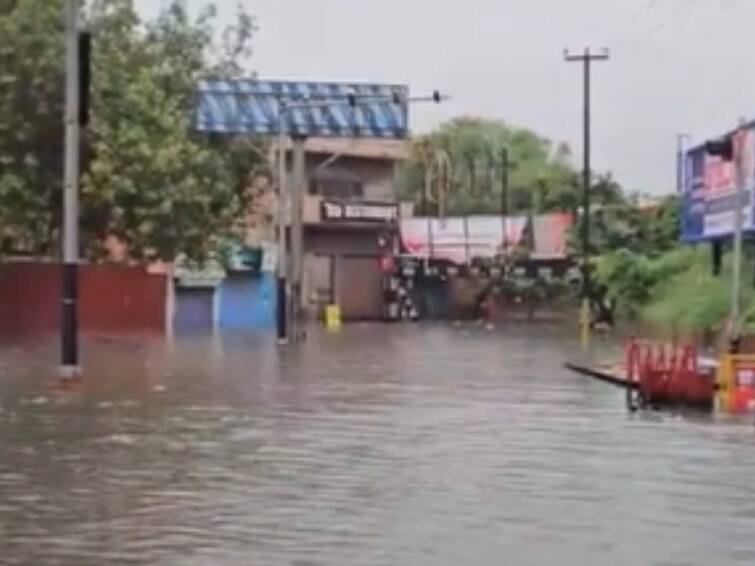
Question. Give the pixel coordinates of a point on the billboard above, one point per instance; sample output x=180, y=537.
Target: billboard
x=250, y=106
x=710, y=196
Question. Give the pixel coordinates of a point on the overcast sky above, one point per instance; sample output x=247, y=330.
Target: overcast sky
x=676, y=65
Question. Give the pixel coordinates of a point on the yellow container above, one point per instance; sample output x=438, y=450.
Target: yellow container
x=333, y=318
x=736, y=394
x=725, y=380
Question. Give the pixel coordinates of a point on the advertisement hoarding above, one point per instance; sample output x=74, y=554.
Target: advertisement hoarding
x=710, y=195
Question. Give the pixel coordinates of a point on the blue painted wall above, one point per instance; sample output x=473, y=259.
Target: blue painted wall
x=247, y=301
x=194, y=309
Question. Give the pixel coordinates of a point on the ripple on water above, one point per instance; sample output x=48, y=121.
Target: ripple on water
x=382, y=445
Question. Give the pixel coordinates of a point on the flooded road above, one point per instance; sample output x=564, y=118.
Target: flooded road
x=379, y=446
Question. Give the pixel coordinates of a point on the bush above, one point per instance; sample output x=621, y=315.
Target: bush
x=631, y=280
x=688, y=297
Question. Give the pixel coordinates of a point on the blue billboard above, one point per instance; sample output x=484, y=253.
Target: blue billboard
x=710, y=195
x=250, y=106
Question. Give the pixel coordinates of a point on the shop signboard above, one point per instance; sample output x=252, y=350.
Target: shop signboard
x=244, y=258
x=333, y=211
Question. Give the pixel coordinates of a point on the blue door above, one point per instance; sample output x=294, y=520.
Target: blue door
x=247, y=301
x=194, y=309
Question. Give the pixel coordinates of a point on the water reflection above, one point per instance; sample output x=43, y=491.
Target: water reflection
x=381, y=445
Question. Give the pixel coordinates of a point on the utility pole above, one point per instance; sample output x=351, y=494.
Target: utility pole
x=297, y=236
x=586, y=58
x=505, y=200
x=69, y=328
x=281, y=230
x=680, y=176
x=425, y=203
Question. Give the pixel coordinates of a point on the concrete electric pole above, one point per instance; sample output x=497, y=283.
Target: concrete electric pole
x=298, y=190
x=586, y=58
x=505, y=163
x=281, y=229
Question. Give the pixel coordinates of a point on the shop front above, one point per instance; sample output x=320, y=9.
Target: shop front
x=344, y=252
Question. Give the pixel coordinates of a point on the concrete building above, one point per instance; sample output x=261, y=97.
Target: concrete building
x=351, y=215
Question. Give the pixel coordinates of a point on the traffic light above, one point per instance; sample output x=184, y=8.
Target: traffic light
x=723, y=148
x=85, y=75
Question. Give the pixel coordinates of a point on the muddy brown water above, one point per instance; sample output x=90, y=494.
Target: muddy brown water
x=415, y=445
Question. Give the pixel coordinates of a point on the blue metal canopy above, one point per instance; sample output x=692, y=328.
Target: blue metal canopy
x=250, y=106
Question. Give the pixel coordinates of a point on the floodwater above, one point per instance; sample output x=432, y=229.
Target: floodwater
x=383, y=445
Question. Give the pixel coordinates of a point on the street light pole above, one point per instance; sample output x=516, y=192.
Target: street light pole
x=298, y=189
x=505, y=200
x=69, y=328
x=282, y=222
x=739, y=147
x=586, y=59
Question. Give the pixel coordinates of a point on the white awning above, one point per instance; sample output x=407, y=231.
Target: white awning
x=461, y=239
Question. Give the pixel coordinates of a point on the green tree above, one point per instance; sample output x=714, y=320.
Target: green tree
x=688, y=298
x=149, y=178
x=618, y=223
x=31, y=124
x=632, y=279
x=540, y=175
x=637, y=250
